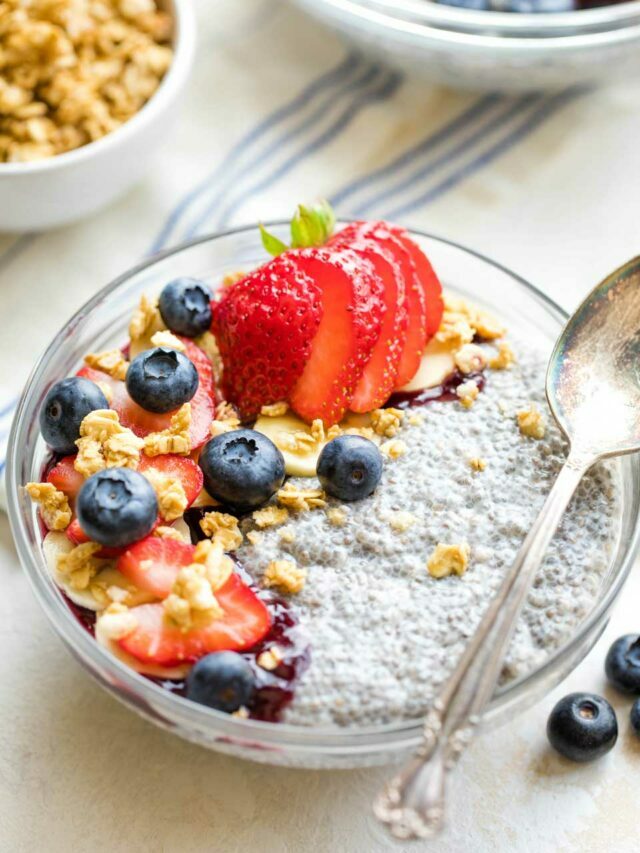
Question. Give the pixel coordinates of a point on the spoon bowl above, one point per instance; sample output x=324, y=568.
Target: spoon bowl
x=593, y=379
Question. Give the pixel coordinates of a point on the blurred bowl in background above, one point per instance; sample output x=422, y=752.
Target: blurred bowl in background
x=57, y=190
x=486, y=50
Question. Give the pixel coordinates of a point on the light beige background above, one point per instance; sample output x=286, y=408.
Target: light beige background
x=77, y=771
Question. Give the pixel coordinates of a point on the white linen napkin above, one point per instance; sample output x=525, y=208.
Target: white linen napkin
x=280, y=111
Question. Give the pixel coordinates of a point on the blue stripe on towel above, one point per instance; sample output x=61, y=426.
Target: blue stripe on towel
x=325, y=82
x=310, y=125
x=474, y=141
x=531, y=123
x=381, y=90
x=431, y=141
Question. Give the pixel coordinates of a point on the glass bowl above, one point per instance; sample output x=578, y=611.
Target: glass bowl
x=483, y=50
x=102, y=323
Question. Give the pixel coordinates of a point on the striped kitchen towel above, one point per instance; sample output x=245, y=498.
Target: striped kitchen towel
x=280, y=111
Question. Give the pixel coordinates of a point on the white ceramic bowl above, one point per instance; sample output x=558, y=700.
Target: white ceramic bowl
x=62, y=189
x=484, y=50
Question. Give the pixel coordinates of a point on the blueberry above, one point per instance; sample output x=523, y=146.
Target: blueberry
x=65, y=407
x=221, y=680
x=582, y=726
x=622, y=664
x=635, y=717
x=349, y=467
x=161, y=379
x=185, y=305
x=117, y=507
x=242, y=468
x=476, y=5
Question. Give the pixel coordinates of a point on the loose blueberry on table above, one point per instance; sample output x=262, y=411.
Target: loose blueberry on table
x=582, y=727
x=226, y=420
x=622, y=664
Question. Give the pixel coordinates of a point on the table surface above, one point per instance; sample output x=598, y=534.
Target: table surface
x=77, y=770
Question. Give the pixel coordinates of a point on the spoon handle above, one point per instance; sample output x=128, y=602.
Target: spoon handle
x=412, y=804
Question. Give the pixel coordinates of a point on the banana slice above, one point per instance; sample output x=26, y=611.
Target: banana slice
x=56, y=543
x=297, y=463
x=437, y=363
x=301, y=462
x=151, y=669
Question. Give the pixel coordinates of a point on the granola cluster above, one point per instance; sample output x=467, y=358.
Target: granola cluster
x=175, y=439
x=448, y=560
x=300, y=500
x=223, y=528
x=72, y=71
x=105, y=443
x=54, y=505
x=285, y=576
x=192, y=602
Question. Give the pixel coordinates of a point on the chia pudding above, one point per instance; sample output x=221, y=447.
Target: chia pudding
x=294, y=500
x=385, y=635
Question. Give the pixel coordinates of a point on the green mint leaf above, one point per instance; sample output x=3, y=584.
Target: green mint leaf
x=272, y=244
x=312, y=226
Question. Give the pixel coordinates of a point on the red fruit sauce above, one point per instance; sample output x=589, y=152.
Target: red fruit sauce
x=445, y=391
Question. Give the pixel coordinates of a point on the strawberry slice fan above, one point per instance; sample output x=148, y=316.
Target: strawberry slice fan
x=331, y=328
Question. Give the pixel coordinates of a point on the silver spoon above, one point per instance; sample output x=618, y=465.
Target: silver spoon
x=593, y=389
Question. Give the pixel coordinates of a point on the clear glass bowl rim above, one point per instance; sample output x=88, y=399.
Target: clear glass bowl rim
x=169, y=709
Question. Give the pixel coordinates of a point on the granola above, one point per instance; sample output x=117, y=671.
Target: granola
x=175, y=439
x=172, y=499
x=285, y=575
x=386, y=422
x=165, y=338
x=111, y=362
x=300, y=500
x=448, y=559
x=105, y=443
x=223, y=528
x=531, y=422
x=80, y=565
x=74, y=72
x=270, y=516
x=54, y=505
x=467, y=393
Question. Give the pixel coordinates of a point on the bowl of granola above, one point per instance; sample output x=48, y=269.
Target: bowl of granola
x=87, y=94
x=287, y=567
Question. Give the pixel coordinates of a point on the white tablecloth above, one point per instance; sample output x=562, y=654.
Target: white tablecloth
x=280, y=111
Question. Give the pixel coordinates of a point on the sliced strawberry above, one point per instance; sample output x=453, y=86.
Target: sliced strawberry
x=65, y=477
x=77, y=535
x=142, y=422
x=379, y=374
x=264, y=326
x=245, y=622
x=186, y=470
x=153, y=563
x=428, y=279
x=352, y=311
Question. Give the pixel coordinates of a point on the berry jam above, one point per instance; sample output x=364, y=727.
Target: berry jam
x=444, y=392
x=274, y=688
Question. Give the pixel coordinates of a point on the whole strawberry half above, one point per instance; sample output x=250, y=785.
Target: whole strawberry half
x=264, y=327
x=352, y=310
x=143, y=422
x=245, y=622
